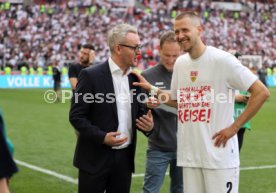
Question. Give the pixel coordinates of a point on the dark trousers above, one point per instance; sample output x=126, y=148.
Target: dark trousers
x=115, y=178
x=240, y=137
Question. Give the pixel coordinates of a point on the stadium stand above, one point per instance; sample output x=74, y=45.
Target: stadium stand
x=36, y=35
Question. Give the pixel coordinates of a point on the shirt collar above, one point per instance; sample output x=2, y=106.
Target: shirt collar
x=114, y=68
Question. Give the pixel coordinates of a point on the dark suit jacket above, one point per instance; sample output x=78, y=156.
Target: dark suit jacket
x=93, y=120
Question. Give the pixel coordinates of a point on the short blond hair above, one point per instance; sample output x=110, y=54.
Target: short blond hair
x=168, y=36
x=190, y=14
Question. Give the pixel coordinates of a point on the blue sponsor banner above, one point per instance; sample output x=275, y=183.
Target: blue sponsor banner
x=31, y=81
x=271, y=80
x=46, y=81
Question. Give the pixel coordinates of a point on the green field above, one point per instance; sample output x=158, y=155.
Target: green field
x=43, y=137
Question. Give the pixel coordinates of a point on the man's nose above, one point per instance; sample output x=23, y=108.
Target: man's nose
x=180, y=35
x=138, y=52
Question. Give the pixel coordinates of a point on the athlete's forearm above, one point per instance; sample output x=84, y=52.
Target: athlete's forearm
x=259, y=94
x=165, y=97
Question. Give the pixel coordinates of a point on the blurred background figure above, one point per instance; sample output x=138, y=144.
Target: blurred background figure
x=241, y=99
x=86, y=58
x=7, y=164
x=262, y=73
x=57, y=79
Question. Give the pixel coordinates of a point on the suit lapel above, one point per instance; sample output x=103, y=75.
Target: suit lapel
x=108, y=84
x=133, y=91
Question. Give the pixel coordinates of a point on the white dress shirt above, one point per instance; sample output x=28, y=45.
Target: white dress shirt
x=123, y=102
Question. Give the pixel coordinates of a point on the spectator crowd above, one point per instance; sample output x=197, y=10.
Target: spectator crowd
x=36, y=35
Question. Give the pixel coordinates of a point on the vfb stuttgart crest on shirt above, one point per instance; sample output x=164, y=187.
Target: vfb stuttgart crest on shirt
x=193, y=75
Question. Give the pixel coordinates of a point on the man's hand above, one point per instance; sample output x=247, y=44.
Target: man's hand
x=222, y=136
x=113, y=139
x=153, y=103
x=143, y=83
x=241, y=98
x=145, y=122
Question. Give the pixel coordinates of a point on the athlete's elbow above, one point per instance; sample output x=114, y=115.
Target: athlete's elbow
x=265, y=94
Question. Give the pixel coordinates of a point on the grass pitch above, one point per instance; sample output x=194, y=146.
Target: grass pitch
x=43, y=137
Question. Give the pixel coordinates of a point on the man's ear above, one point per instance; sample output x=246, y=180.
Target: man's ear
x=200, y=29
x=117, y=49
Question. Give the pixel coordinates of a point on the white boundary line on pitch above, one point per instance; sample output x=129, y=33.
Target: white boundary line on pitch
x=258, y=167
x=49, y=172
x=75, y=181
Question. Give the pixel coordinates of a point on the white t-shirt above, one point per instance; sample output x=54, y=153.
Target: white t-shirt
x=204, y=90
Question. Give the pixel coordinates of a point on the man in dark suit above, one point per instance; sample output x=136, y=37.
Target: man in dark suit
x=106, y=112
